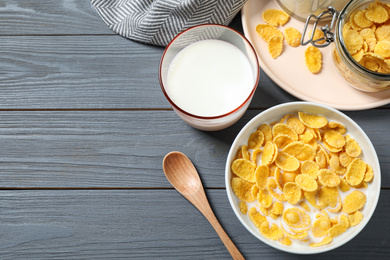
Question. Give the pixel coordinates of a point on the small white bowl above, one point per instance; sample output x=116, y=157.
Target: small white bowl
x=368, y=155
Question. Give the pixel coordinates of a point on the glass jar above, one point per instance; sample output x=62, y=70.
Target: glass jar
x=355, y=74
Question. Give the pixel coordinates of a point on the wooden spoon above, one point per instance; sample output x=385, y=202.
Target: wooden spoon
x=183, y=176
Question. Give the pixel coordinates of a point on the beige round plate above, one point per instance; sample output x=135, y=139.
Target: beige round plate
x=290, y=73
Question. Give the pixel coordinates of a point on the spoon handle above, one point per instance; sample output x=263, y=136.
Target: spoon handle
x=199, y=200
x=234, y=252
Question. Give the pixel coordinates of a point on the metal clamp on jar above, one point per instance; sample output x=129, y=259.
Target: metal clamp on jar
x=350, y=66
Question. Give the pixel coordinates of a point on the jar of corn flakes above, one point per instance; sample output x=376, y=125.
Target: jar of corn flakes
x=361, y=49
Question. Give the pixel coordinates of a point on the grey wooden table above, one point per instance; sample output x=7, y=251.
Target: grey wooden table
x=84, y=127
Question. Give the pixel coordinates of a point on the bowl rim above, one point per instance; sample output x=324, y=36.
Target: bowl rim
x=302, y=105
x=248, y=99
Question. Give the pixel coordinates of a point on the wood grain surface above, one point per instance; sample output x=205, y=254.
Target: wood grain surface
x=84, y=127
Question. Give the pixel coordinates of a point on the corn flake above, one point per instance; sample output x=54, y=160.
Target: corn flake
x=313, y=59
x=355, y=218
x=300, y=150
x=355, y=172
x=320, y=227
x=353, y=41
x=267, y=31
x=267, y=131
x=280, y=128
x=354, y=202
x=242, y=189
x=275, y=17
x=255, y=140
x=262, y=174
x=254, y=155
x=272, y=233
x=275, y=46
x=268, y=154
x=296, y=218
x=287, y=162
x=383, y=32
x=293, y=36
x=334, y=138
x=244, y=169
x=361, y=20
x=243, y=207
x=325, y=241
x=377, y=13
x=292, y=192
x=340, y=227
x=383, y=48
x=328, y=178
x=313, y=121
x=310, y=168
x=256, y=217
x=306, y=182
x=282, y=140
x=327, y=197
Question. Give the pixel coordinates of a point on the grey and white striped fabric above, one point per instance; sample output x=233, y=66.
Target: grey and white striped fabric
x=158, y=21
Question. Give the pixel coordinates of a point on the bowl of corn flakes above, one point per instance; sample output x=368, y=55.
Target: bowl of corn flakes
x=303, y=177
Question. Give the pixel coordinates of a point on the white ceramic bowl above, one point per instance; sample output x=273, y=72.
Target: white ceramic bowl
x=368, y=155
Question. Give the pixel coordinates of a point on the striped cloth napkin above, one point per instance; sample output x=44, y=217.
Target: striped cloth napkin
x=157, y=22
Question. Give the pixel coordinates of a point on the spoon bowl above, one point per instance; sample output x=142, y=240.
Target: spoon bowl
x=181, y=173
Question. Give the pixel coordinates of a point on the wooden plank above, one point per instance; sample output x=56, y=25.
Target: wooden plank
x=108, y=224
x=126, y=148
x=51, y=72
x=42, y=17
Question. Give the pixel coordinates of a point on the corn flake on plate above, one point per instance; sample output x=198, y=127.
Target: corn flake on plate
x=303, y=177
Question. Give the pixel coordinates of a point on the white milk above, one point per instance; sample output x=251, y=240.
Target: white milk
x=210, y=78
